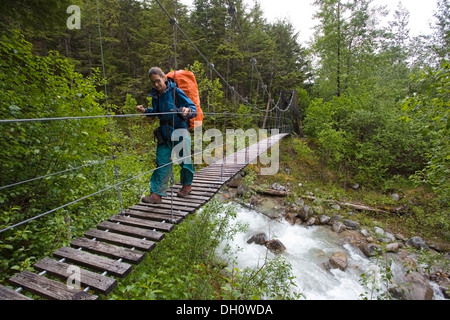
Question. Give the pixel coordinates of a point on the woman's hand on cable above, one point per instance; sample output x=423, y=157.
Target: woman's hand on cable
x=140, y=108
x=185, y=111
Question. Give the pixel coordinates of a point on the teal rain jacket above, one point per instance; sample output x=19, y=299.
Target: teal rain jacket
x=162, y=103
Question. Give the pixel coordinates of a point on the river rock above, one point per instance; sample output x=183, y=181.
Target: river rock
x=259, y=238
x=365, y=233
x=393, y=247
x=415, y=287
x=417, y=242
x=395, y=196
x=339, y=260
x=292, y=218
x=335, y=218
x=323, y=219
x=336, y=207
x=310, y=222
x=278, y=187
x=379, y=232
x=350, y=224
x=326, y=265
x=400, y=237
x=353, y=238
x=241, y=190
x=276, y=246
x=299, y=202
x=338, y=227
x=305, y=212
x=371, y=249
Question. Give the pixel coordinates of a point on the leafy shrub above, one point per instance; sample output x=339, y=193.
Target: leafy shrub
x=365, y=139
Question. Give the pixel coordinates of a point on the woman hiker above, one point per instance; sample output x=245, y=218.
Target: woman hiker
x=173, y=107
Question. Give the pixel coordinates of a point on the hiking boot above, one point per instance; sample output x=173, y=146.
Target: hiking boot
x=152, y=199
x=184, y=191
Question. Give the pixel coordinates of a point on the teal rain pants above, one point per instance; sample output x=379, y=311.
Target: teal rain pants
x=160, y=178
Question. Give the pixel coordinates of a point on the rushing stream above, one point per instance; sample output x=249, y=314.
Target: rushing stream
x=306, y=249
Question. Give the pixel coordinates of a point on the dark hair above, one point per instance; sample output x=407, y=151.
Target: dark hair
x=156, y=70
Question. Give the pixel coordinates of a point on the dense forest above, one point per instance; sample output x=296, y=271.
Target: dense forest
x=373, y=100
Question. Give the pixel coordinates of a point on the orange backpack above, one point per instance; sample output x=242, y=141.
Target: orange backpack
x=186, y=81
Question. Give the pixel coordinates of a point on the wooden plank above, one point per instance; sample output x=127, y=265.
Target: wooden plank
x=219, y=175
x=167, y=206
x=214, y=176
x=138, y=222
x=214, y=182
x=154, y=216
x=49, y=288
x=225, y=166
x=120, y=239
x=197, y=194
x=205, y=179
x=109, y=250
x=217, y=172
x=208, y=185
x=94, y=281
x=167, y=227
x=10, y=294
x=142, y=223
x=193, y=196
x=194, y=200
x=208, y=176
x=94, y=261
x=217, y=180
x=182, y=202
x=181, y=213
x=185, y=202
x=135, y=231
x=229, y=166
x=195, y=188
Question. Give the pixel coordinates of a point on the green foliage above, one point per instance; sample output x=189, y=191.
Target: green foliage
x=35, y=16
x=379, y=279
x=333, y=146
x=301, y=149
x=43, y=87
x=363, y=75
x=430, y=110
x=272, y=280
x=365, y=139
x=243, y=118
x=427, y=261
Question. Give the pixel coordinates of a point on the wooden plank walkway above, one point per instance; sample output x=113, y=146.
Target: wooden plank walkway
x=110, y=251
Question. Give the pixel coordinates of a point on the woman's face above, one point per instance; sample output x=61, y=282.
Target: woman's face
x=158, y=83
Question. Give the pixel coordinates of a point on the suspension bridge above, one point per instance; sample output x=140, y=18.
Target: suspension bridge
x=93, y=263
x=110, y=250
